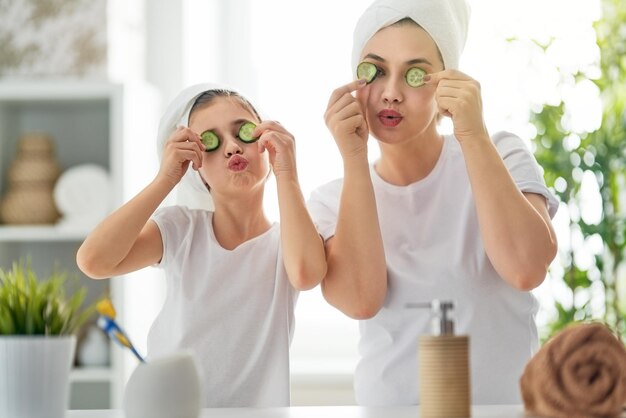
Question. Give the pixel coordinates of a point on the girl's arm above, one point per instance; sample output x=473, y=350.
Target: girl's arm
x=302, y=246
x=516, y=229
x=356, y=282
x=126, y=241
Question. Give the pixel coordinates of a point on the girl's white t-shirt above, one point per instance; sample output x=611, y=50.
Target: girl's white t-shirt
x=434, y=250
x=234, y=309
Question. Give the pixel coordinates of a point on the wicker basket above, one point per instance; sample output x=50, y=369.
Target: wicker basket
x=35, y=161
x=29, y=205
x=31, y=176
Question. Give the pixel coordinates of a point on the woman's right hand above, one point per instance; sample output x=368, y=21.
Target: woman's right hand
x=346, y=120
x=183, y=147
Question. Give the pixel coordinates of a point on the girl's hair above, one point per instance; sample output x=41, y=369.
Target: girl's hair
x=209, y=95
x=409, y=21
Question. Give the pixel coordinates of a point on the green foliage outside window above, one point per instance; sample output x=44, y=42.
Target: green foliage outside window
x=597, y=292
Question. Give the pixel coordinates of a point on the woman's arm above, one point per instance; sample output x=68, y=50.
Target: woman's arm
x=516, y=229
x=125, y=241
x=356, y=282
x=302, y=246
x=515, y=226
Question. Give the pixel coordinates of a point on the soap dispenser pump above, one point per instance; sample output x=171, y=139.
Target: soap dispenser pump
x=444, y=370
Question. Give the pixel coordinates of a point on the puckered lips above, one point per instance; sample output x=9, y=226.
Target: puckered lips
x=389, y=117
x=237, y=163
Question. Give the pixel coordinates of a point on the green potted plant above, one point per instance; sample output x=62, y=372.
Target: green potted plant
x=37, y=341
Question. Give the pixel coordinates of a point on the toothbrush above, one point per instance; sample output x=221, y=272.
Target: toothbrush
x=107, y=323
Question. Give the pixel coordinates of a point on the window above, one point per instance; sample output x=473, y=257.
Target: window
x=289, y=56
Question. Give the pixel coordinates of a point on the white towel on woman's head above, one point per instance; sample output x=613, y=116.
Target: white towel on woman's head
x=446, y=21
x=191, y=190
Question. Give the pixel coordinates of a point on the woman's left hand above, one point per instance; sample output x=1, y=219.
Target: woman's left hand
x=280, y=145
x=458, y=97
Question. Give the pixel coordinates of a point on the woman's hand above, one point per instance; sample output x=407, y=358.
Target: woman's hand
x=458, y=97
x=280, y=144
x=346, y=120
x=181, y=148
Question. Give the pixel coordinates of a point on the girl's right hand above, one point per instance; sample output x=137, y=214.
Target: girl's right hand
x=346, y=120
x=183, y=147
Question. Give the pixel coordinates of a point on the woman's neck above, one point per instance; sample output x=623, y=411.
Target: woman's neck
x=404, y=164
x=237, y=220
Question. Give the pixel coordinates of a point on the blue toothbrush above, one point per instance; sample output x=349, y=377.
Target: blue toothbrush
x=107, y=323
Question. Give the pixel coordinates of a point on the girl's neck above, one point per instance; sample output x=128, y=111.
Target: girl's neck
x=237, y=220
x=407, y=163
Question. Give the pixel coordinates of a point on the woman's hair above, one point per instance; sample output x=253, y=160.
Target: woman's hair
x=409, y=21
x=208, y=96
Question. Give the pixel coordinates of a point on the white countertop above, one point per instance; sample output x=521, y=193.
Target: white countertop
x=495, y=411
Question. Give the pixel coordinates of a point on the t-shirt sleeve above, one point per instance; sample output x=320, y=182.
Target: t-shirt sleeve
x=526, y=172
x=173, y=223
x=323, y=205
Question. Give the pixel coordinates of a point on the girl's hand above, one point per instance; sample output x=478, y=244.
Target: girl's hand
x=280, y=145
x=458, y=97
x=181, y=148
x=346, y=120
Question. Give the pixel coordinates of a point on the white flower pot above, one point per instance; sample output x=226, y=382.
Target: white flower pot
x=34, y=375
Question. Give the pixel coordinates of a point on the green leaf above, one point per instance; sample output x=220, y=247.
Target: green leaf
x=600, y=152
x=33, y=306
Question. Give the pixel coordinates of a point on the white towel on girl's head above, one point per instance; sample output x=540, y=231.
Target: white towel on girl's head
x=446, y=21
x=191, y=190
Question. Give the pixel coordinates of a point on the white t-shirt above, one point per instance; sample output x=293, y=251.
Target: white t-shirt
x=434, y=250
x=234, y=309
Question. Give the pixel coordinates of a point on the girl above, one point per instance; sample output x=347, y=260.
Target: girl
x=462, y=217
x=232, y=276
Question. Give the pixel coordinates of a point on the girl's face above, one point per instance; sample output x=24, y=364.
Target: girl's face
x=395, y=111
x=234, y=166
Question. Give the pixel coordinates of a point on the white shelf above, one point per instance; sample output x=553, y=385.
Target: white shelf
x=49, y=233
x=92, y=374
x=87, y=122
x=53, y=90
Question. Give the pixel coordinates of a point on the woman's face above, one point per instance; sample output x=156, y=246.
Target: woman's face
x=395, y=111
x=234, y=166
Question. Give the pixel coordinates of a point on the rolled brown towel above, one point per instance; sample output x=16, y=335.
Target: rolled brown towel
x=579, y=373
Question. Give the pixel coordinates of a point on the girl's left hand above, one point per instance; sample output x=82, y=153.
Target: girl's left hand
x=458, y=97
x=280, y=145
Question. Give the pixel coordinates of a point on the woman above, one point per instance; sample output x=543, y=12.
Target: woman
x=462, y=217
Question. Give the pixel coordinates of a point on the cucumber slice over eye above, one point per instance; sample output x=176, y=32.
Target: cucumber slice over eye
x=210, y=140
x=415, y=77
x=245, y=132
x=366, y=70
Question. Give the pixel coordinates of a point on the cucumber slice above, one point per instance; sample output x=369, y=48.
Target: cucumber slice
x=415, y=77
x=366, y=70
x=245, y=132
x=210, y=140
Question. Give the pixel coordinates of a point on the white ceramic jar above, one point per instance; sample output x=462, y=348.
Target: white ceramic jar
x=93, y=350
x=165, y=387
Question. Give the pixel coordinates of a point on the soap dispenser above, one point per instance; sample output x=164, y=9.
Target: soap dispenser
x=444, y=370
